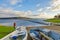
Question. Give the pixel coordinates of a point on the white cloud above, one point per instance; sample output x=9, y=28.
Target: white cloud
x=24, y=14
x=45, y=15
x=56, y=5
x=29, y=12
x=9, y=12
x=13, y=2
x=54, y=8
x=48, y=8
x=6, y=10
x=56, y=2
x=40, y=9
x=7, y=15
x=49, y=11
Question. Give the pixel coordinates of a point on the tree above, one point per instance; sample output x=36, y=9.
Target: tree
x=55, y=16
x=58, y=16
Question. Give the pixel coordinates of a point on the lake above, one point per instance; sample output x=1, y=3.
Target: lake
x=19, y=22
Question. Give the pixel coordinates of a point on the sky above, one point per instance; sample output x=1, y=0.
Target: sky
x=9, y=8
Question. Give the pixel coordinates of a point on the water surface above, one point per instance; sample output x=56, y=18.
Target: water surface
x=19, y=22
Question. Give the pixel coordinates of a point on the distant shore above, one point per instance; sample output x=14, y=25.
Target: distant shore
x=14, y=18
x=54, y=20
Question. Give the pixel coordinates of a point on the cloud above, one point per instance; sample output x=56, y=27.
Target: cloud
x=40, y=9
x=56, y=5
x=13, y=2
x=52, y=9
x=9, y=12
x=29, y=12
x=45, y=15
x=48, y=8
x=7, y=15
x=6, y=10
x=24, y=14
x=49, y=11
x=56, y=2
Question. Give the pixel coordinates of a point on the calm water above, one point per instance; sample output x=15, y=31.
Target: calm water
x=19, y=22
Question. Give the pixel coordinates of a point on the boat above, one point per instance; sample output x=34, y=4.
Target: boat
x=40, y=34
x=20, y=34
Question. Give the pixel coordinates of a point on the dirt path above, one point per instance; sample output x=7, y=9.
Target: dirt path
x=56, y=28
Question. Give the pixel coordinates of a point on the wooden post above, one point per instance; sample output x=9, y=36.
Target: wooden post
x=29, y=37
x=45, y=37
x=41, y=37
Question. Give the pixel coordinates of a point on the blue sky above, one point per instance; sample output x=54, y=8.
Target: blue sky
x=24, y=5
x=28, y=6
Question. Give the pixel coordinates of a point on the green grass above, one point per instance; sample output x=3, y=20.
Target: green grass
x=53, y=20
x=4, y=30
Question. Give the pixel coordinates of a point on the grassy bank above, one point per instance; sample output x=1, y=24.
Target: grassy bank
x=4, y=30
x=53, y=20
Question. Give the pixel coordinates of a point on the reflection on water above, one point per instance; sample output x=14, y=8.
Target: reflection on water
x=19, y=22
